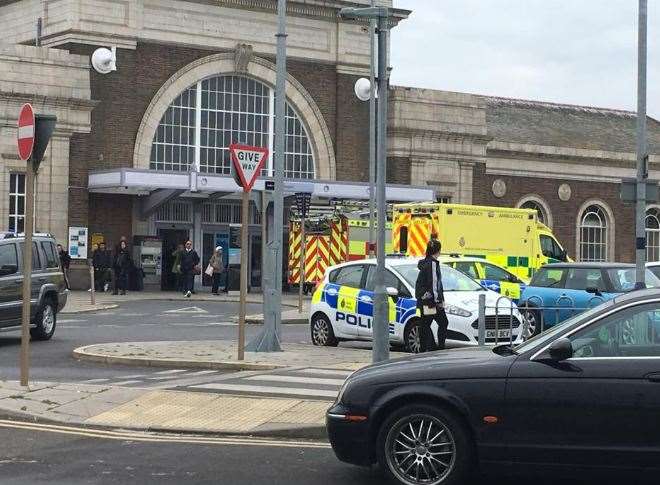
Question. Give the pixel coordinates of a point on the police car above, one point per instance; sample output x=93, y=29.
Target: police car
x=488, y=274
x=342, y=306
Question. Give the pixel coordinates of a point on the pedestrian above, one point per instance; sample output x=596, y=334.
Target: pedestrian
x=123, y=266
x=65, y=261
x=430, y=299
x=115, y=272
x=216, y=267
x=176, y=267
x=189, y=268
x=102, y=261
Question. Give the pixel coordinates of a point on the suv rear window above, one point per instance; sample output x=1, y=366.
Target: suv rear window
x=8, y=259
x=52, y=261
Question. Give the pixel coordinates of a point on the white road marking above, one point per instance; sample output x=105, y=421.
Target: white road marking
x=297, y=380
x=91, y=381
x=173, y=371
x=189, y=309
x=327, y=372
x=111, y=325
x=125, y=383
x=297, y=391
x=203, y=372
x=71, y=321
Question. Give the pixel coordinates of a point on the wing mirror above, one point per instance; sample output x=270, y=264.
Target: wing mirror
x=392, y=292
x=561, y=349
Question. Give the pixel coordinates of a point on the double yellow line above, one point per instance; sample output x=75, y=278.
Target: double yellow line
x=160, y=438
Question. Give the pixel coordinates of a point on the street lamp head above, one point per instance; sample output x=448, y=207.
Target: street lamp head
x=353, y=13
x=363, y=89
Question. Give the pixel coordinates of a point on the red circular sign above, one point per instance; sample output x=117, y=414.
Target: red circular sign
x=25, y=131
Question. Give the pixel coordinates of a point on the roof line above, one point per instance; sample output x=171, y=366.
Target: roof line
x=576, y=107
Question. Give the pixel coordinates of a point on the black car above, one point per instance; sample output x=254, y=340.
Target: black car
x=585, y=393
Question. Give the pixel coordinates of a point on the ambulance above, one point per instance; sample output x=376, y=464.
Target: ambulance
x=342, y=306
x=513, y=239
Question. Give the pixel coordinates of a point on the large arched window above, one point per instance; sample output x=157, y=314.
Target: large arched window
x=206, y=118
x=653, y=234
x=593, y=234
x=536, y=203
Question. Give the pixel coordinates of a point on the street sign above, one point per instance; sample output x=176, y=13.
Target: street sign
x=247, y=161
x=303, y=200
x=269, y=185
x=25, y=131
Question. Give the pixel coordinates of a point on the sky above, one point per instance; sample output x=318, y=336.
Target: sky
x=565, y=51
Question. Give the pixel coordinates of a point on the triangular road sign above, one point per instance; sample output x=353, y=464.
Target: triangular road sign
x=190, y=309
x=247, y=161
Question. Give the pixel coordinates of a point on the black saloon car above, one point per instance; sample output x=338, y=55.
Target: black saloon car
x=585, y=393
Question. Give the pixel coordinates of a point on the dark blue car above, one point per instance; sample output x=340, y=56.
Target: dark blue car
x=560, y=290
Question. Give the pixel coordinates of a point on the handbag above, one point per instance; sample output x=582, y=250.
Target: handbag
x=209, y=270
x=428, y=310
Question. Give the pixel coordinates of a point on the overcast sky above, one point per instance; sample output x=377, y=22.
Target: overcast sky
x=566, y=51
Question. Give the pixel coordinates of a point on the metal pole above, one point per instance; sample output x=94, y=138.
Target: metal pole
x=303, y=247
x=28, y=229
x=481, y=319
x=381, y=348
x=269, y=338
x=92, y=285
x=372, y=130
x=642, y=169
x=245, y=220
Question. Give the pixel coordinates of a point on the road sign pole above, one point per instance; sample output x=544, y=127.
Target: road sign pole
x=303, y=247
x=372, y=131
x=642, y=169
x=245, y=220
x=28, y=229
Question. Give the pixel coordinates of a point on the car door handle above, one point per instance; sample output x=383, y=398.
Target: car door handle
x=653, y=377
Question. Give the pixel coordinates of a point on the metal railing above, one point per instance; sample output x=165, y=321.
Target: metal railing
x=530, y=317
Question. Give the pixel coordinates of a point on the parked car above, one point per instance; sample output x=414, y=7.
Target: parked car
x=49, y=293
x=342, y=306
x=489, y=274
x=654, y=267
x=560, y=290
x=585, y=393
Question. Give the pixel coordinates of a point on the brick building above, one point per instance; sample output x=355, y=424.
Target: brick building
x=142, y=152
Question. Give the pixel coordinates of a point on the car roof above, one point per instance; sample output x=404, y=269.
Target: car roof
x=456, y=257
x=588, y=265
x=638, y=295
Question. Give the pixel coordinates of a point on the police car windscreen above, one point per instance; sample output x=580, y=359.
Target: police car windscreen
x=452, y=280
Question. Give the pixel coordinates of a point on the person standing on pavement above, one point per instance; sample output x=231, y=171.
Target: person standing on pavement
x=115, y=272
x=65, y=261
x=189, y=267
x=430, y=299
x=218, y=267
x=102, y=261
x=123, y=265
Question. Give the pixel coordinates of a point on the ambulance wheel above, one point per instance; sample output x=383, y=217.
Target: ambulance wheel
x=412, y=338
x=322, y=333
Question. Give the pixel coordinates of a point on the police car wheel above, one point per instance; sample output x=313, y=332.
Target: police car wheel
x=322, y=333
x=412, y=338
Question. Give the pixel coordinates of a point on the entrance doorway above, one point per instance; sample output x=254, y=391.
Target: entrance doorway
x=171, y=240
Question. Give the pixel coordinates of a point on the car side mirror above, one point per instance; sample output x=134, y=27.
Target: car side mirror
x=561, y=349
x=392, y=292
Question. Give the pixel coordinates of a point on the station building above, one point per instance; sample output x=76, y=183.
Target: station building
x=142, y=152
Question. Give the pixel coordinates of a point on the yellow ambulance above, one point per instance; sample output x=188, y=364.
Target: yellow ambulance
x=511, y=238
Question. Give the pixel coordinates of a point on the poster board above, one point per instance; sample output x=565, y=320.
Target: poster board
x=78, y=242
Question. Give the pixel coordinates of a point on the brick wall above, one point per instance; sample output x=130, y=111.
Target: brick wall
x=398, y=170
x=564, y=214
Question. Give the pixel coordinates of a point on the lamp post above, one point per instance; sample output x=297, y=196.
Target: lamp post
x=380, y=325
x=642, y=156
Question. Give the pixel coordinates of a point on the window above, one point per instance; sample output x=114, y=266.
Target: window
x=52, y=259
x=452, y=280
x=391, y=280
x=16, y=202
x=583, y=278
x=551, y=249
x=593, y=234
x=206, y=118
x=492, y=272
x=548, y=277
x=531, y=204
x=403, y=240
x=36, y=259
x=467, y=268
x=634, y=332
x=350, y=276
x=653, y=235
x=623, y=279
x=8, y=259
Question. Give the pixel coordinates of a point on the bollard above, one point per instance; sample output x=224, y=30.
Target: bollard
x=482, y=319
x=92, y=286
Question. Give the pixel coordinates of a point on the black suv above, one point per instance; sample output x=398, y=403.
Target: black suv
x=49, y=291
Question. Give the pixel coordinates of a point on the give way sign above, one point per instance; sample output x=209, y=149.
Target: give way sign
x=247, y=161
x=25, y=131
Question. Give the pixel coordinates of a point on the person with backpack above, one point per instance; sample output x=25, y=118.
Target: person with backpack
x=430, y=298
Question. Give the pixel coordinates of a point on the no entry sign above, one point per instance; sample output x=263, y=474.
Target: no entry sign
x=25, y=132
x=247, y=161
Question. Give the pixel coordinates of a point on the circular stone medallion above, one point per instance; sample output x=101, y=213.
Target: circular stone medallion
x=499, y=188
x=564, y=192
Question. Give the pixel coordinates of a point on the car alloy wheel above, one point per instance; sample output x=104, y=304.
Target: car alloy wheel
x=48, y=319
x=413, y=339
x=322, y=333
x=420, y=449
x=531, y=324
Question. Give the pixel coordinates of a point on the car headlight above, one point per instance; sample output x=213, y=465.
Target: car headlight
x=454, y=310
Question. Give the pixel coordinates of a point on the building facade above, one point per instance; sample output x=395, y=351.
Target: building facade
x=142, y=152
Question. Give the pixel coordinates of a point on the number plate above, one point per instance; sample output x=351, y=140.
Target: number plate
x=500, y=333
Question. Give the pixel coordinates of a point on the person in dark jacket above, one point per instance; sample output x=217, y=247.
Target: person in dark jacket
x=123, y=266
x=430, y=298
x=115, y=272
x=65, y=261
x=189, y=267
x=102, y=261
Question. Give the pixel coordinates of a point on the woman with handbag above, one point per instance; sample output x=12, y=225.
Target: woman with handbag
x=430, y=299
x=215, y=268
x=189, y=268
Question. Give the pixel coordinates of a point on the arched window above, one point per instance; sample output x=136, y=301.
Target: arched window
x=532, y=204
x=593, y=234
x=206, y=118
x=653, y=234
